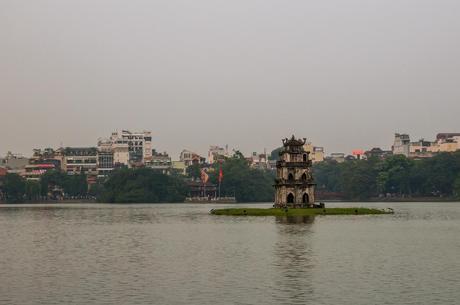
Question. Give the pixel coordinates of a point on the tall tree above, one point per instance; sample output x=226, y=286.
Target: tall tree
x=142, y=185
x=14, y=188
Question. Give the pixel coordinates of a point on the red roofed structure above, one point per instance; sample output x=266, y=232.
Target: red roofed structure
x=35, y=171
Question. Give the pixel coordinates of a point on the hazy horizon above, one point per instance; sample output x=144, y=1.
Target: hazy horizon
x=242, y=73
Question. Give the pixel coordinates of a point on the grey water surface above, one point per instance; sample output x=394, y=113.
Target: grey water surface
x=179, y=254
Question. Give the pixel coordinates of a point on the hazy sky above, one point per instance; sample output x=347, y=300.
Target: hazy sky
x=344, y=74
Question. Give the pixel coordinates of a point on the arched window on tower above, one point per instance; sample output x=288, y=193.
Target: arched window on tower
x=304, y=177
x=305, y=158
x=290, y=177
x=290, y=198
x=305, y=198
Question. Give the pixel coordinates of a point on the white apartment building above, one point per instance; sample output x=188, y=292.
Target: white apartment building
x=216, y=153
x=121, y=154
x=139, y=145
x=191, y=158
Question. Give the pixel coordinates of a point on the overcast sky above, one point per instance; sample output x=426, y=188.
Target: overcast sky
x=344, y=74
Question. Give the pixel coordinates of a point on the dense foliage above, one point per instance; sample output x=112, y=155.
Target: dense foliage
x=16, y=189
x=71, y=185
x=142, y=185
x=395, y=176
x=247, y=184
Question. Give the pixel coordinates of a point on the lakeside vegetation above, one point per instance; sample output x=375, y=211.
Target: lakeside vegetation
x=396, y=176
x=298, y=212
x=17, y=189
x=240, y=180
x=142, y=185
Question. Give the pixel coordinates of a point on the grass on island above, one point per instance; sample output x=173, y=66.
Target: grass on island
x=298, y=212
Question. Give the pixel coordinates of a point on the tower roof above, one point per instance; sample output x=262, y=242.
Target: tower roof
x=294, y=142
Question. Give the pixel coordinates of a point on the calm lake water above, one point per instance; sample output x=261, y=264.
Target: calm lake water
x=179, y=254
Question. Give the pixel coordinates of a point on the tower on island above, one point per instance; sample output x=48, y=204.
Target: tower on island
x=294, y=183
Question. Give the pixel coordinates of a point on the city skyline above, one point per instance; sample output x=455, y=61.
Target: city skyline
x=204, y=150
x=239, y=73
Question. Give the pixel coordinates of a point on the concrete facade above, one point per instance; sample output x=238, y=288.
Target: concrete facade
x=191, y=158
x=401, y=145
x=161, y=162
x=180, y=167
x=216, y=153
x=79, y=160
x=316, y=152
x=139, y=144
x=445, y=142
x=294, y=185
x=14, y=163
x=105, y=163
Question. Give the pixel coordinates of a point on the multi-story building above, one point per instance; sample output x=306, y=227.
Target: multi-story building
x=337, y=157
x=79, y=160
x=377, y=152
x=161, y=162
x=179, y=167
x=105, y=163
x=422, y=149
x=47, y=156
x=259, y=161
x=121, y=154
x=14, y=163
x=316, y=152
x=35, y=171
x=358, y=154
x=441, y=137
x=139, y=144
x=217, y=153
x=401, y=145
x=191, y=158
x=445, y=142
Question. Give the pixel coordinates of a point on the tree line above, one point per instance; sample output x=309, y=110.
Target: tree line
x=242, y=181
x=53, y=184
x=144, y=185
x=141, y=185
x=395, y=176
x=239, y=179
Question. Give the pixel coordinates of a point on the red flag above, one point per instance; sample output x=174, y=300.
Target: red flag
x=221, y=174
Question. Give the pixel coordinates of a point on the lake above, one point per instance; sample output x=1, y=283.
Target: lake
x=179, y=254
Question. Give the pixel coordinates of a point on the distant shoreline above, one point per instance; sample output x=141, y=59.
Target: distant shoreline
x=398, y=199
x=371, y=200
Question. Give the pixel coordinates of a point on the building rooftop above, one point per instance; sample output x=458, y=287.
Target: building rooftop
x=443, y=136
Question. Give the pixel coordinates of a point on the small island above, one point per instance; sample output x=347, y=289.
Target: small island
x=298, y=212
x=295, y=188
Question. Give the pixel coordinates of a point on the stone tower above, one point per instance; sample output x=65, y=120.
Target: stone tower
x=294, y=184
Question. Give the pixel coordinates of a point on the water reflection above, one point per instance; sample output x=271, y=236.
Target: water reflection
x=295, y=219
x=293, y=259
